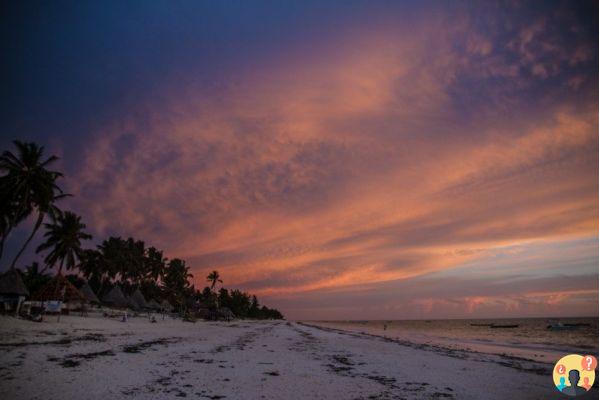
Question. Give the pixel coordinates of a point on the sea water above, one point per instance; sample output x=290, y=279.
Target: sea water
x=531, y=339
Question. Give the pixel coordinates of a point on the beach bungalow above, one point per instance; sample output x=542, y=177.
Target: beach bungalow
x=115, y=298
x=153, y=305
x=226, y=314
x=132, y=304
x=59, y=288
x=138, y=301
x=12, y=291
x=56, y=293
x=88, y=293
x=165, y=306
x=199, y=309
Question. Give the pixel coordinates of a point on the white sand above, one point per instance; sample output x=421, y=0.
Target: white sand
x=89, y=358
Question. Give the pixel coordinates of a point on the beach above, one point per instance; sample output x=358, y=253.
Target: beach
x=99, y=358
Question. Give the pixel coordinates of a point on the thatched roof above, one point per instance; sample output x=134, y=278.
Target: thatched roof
x=132, y=304
x=88, y=293
x=138, y=299
x=165, y=305
x=59, y=288
x=152, y=304
x=115, y=298
x=12, y=284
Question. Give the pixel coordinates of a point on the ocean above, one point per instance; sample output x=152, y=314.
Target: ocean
x=530, y=339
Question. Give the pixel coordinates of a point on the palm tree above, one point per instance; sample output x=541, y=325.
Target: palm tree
x=46, y=208
x=112, y=257
x=213, y=278
x=156, y=264
x=27, y=186
x=176, y=281
x=136, y=268
x=93, y=269
x=63, y=238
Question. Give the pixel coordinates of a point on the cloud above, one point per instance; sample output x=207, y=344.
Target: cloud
x=383, y=154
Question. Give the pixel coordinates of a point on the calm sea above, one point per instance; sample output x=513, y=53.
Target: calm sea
x=530, y=339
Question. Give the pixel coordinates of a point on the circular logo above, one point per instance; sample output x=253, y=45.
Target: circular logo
x=574, y=375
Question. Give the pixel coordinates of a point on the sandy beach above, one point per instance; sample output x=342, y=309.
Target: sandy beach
x=99, y=358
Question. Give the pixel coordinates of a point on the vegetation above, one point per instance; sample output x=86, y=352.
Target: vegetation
x=213, y=278
x=28, y=187
x=63, y=239
x=243, y=305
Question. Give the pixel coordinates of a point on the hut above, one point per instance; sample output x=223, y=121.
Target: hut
x=115, y=298
x=58, y=289
x=165, y=306
x=226, y=314
x=88, y=293
x=200, y=310
x=57, y=292
x=138, y=300
x=132, y=304
x=153, y=305
x=12, y=291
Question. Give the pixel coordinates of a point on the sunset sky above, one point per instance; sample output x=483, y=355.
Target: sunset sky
x=342, y=160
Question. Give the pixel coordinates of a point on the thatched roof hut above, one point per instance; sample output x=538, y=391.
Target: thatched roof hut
x=11, y=284
x=202, y=310
x=153, y=305
x=166, y=306
x=138, y=299
x=59, y=288
x=132, y=304
x=89, y=294
x=115, y=298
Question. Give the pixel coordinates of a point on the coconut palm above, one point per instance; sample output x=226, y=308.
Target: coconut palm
x=176, y=281
x=136, y=267
x=112, y=257
x=63, y=239
x=156, y=263
x=177, y=275
x=28, y=185
x=213, y=278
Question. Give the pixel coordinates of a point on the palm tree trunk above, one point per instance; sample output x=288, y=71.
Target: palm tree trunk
x=60, y=267
x=2, y=245
x=40, y=219
x=4, y=237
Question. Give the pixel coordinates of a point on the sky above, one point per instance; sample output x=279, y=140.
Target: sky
x=342, y=160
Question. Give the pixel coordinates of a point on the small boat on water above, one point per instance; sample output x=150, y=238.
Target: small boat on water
x=563, y=327
x=507, y=326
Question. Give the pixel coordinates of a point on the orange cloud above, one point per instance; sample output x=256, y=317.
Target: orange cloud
x=356, y=166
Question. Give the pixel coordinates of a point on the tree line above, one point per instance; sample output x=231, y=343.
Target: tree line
x=29, y=187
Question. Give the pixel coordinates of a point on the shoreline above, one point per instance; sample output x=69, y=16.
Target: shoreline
x=518, y=363
x=99, y=358
x=479, y=339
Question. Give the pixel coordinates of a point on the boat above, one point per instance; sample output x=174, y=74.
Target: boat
x=563, y=327
x=507, y=326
